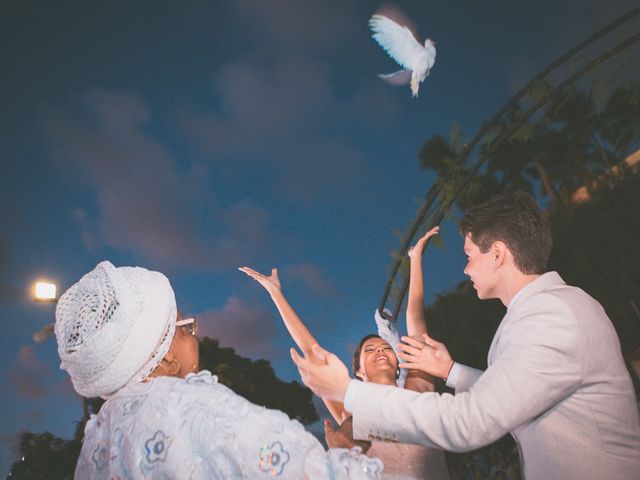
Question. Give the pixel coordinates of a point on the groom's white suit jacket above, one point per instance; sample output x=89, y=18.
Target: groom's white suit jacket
x=556, y=380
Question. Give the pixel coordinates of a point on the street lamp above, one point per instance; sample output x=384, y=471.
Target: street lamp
x=44, y=291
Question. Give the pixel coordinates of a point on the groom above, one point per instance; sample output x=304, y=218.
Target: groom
x=556, y=378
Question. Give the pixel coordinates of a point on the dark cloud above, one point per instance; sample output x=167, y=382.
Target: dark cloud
x=33, y=417
x=313, y=278
x=575, y=20
x=28, y=374
x=270, y=117
x=290, y=118
x=251, y=331
x=147, y=203
x=307, y=26
x=64, y=388
x=260, y=104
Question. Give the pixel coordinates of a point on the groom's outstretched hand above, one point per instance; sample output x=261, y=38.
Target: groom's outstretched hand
x=323, y=373
x=427, y=355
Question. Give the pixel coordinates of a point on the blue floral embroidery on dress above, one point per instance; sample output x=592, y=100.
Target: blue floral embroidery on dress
x=157, y=447
x=132, y=406
x=273, y=459
x=203, y=377
x=100, y=456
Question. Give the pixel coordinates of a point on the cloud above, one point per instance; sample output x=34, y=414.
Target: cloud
x=575, y=20
x=251, y=331
x=146, y=201
x=280, y=113
x=260, y=104
x=64, y=388
x=314, y=279
x=28, y=373
x=33, y=416
x=310, y=26
x=271, y=123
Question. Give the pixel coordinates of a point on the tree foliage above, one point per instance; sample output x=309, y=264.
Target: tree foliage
x=44, y=456
x=464, y=323
x=581, y=134
x=256, y=381
x=596, y=247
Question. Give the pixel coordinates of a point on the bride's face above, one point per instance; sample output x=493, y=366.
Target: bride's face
x=377, y=358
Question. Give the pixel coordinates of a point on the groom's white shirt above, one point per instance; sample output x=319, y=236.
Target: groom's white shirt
x=556, y=380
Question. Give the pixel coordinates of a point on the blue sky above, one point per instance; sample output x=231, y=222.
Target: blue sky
x=196, y=137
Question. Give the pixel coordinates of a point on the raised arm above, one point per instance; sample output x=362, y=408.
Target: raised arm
x=416, y=325
x=297, y=329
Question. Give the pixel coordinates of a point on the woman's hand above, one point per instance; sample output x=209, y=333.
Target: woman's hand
x=429, y=356
x=418, y=248
x=271, y=283
x=343, y=437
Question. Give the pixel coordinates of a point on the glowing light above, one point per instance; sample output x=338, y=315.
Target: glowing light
x=45, y=291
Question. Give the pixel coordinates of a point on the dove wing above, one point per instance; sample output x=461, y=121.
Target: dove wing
x=398, y=41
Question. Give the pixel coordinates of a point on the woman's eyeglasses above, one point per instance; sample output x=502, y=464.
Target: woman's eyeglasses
x=189, y=325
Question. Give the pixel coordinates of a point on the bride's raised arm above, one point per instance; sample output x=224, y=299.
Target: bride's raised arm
x=297, y=329
x=416, y=324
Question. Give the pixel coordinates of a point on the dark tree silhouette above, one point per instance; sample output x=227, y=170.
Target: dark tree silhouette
x=573, y=143
x=44, y=456
x=596, y=249
x=256, y=381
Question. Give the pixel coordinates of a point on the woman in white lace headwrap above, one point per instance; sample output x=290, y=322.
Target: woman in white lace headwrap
x=119, y=338
x=374, y=361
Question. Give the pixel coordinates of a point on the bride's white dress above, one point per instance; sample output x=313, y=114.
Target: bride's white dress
x=403, y=461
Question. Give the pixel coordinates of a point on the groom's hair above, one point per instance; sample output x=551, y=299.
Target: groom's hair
x=515, y=219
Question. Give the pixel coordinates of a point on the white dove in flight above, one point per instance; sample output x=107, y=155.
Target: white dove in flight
x=401, y=44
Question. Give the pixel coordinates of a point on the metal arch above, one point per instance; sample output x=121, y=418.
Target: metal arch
x=435, y=191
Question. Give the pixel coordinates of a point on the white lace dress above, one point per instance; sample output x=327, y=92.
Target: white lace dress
x=195, y=428
x=403, y=461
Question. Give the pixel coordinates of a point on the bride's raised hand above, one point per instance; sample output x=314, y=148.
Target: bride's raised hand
x=270, y=283
x=418, y=248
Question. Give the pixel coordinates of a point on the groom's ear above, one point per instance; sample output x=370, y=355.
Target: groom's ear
x=499, y=251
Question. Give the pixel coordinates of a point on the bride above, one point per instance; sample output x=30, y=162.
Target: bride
x=374, y=360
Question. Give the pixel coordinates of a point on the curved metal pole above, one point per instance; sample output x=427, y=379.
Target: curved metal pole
x=435, y=190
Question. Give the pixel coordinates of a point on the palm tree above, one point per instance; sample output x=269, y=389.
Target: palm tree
x=622, y=119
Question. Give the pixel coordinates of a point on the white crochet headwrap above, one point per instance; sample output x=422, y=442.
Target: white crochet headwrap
x=114, y=327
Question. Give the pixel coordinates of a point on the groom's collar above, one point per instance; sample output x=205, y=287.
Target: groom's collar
x=538, y=285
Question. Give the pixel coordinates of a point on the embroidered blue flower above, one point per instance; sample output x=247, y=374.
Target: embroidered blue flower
x=203, y=377
x=273, y=459
x=157, y=447
x=100, y=456
x=132, y=406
